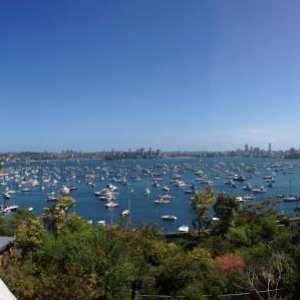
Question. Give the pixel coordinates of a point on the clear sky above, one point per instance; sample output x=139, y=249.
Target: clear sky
x=175, y=75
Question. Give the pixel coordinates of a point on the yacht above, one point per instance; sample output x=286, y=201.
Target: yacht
x=8, y=191
x=101, y=222
x=112, y=187
x=6, y=195
x=164, y=199
x=248, y=197
x=179, y=183
x=248, y=187
x=239, y=199
x=166, y=189
x=237, y=177
x=51, y=197
x=290, y=198
x=111, y=204
x=125, y=212
x=189, y=191
x=106, y=194
x=184, y=229
x=169, y=218
x=259, y=190
x=64, y=191
x=147, y=192
x=7, y=209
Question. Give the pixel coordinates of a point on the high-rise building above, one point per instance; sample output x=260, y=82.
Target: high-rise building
x=270, y=147
x=246, y=147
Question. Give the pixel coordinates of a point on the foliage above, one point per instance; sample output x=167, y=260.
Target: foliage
x=230, y=263
x=65, y=257
x=268, y=275
x=54, y=219
x=202, y=258
x=225, y=208
x=29, y=234
x=200, y=204
x=9, y=223
x=65, y=202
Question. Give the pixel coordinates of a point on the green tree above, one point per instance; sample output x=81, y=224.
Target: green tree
x=29, y=234
x=200, y=204
x=9, y=223
x=54, y=218
x=65, y=202
x=225, y=208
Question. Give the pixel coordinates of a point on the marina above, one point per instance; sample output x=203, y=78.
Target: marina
x=145, y=191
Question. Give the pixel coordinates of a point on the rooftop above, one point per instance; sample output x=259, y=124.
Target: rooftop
x=5, y=242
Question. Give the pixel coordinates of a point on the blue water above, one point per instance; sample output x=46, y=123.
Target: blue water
x=143, y=209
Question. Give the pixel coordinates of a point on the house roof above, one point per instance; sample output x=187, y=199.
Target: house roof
x=5, y=242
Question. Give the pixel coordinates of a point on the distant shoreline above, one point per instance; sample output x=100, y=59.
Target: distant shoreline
x=144, y=154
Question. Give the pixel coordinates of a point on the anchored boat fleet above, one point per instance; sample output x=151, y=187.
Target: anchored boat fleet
x=153, y=191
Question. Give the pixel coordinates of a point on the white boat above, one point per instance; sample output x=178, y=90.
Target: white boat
x=260, y=190
x=147, y=192
x=8, y=191
x=111, y=204
x=155, y=184
x=125, y=212
x=64, y=191
x=291, y=198
x=8, y=209
x=184, y=229
x=164, y=199
x=112, y=187
x=51, y=198
x=166, y=189
x=106, y=194
x=237, y=177
x=169, y=218
x=239, y=199
x=248, y=187
x=179, y=183
x=215, y=219
x=6, y=196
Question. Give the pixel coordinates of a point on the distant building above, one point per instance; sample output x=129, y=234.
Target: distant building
x=270, y=147
x=246, y=147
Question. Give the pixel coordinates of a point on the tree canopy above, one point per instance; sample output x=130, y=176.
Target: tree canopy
x=62, y=256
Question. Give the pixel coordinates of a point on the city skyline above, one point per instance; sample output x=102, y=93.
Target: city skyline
x=196, y=76
x=246, y=148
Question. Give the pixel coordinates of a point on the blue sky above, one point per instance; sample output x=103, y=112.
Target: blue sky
x=175, y=75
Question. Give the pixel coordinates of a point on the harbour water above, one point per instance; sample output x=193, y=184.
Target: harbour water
x=177, y=177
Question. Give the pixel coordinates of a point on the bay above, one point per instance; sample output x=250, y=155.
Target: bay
x=132, y=177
